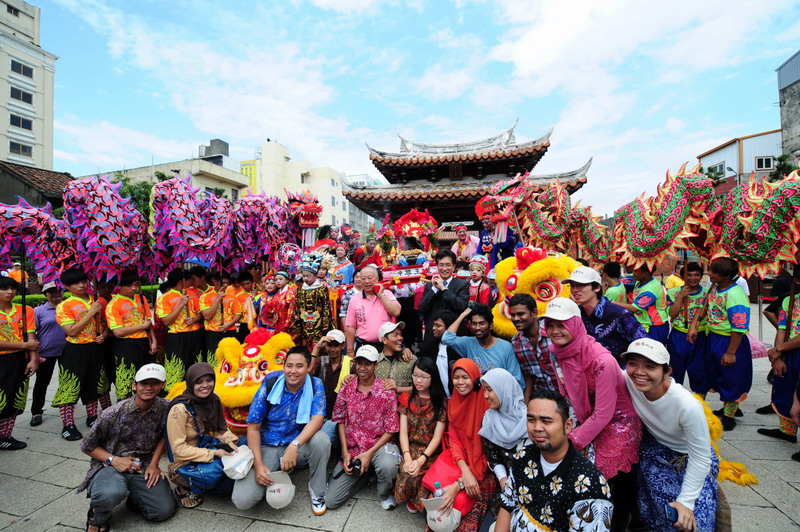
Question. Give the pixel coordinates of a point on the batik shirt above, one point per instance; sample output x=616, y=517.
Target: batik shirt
x=650, y=299
x=72, y=311
x=366, y=416
x=167, y=303
x=229, y=307
x=574, y=496
x=692, y=304
x=612, y=326
x=535, y=361
x=784, y=313
x=728, y=310
x=11, y=325
x=279, y=422
x=126, y=312
x=123, y=431
x=617, y=293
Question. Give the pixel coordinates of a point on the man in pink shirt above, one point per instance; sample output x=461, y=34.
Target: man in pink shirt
x=367, y=420
x=368, y=310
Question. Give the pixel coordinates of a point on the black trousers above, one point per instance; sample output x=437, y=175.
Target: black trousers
x=13, y=383
x=42, y=380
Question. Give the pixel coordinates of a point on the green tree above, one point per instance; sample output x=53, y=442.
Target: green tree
x=783, y=167
x=138, y=191
x=716, y=177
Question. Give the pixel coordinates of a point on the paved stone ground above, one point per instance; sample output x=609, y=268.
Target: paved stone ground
x=37, y=486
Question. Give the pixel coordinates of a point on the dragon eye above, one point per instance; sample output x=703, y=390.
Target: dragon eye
x=548, y=290
x=263, y=365
x=511, y=283
x=252, y=351
x=280, y=358
x=225, y=368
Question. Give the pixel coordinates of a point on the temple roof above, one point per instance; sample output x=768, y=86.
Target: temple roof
x=500, y=146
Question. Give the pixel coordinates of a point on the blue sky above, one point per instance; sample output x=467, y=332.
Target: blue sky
x=639, y=86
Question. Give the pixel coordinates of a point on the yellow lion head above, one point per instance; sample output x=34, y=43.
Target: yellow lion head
x=534, y=272
x=241, y=369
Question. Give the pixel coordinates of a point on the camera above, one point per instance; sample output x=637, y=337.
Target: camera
x=355, y=465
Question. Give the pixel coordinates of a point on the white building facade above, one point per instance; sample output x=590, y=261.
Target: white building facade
x=27, y=72
x=737, y=158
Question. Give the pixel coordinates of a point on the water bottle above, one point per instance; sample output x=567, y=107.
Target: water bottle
x=438, y=491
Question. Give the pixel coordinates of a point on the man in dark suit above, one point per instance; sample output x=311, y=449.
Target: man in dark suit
x=443, y=293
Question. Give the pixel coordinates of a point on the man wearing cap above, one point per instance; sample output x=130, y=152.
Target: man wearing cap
x=677, y=432
x=332, y=368
x=395, y=362
x=283, y=430
x=17, y=273
x=125, y=444
x=52, y=340
x=610, y=324
x=368, y=421
x=466, y=245
x=368, y=310
x=443, y=292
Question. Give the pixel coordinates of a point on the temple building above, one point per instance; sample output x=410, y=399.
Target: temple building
x=448, y=179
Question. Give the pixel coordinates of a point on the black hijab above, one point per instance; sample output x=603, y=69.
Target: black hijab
x=207, y=410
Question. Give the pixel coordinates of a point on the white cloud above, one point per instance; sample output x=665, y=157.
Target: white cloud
x=346, y=6
x=440, y=84
x=445, y=38
x=674, y=125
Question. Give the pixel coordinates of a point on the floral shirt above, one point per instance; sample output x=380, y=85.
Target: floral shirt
x=11, y=325
x=574, y=496
x=691, y=306
x=126, y=312
x=366, y=416
x=72, y=310
x=123, y=430
x=728, y=310
x=229, y=307
x=167, y=303
x=612, y=326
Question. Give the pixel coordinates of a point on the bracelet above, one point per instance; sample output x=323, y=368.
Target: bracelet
x=404, y=452
x=427, y=457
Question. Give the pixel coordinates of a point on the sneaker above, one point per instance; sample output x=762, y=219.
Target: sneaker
x=764, y=410
x=778, y=433
x=388, y=503
x=71, y=433
x=90, y=421
x=36, y=420
x=728, y=423
x=318, y=505
x=11, y=444
x=411, y=509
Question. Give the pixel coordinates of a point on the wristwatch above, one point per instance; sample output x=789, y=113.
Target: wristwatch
x=296, y=443
x=109, y=460
x=460, y=483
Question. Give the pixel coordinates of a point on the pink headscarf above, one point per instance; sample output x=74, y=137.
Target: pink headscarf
x=574, y=359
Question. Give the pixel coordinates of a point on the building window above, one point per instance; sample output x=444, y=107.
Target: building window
x=333, y=201
x=234, y=194
x=333, y=182
x=21, y=69
x=24, y=123
x=719, y=169
x=12, y=10
x=765, y=163
x=210, y=191
x=20, y=149
x=21, y=95
x=333, y=220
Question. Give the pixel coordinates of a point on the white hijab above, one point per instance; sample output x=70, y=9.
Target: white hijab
x=506, y=425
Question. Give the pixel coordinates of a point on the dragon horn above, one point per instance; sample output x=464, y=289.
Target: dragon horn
x=682, y=170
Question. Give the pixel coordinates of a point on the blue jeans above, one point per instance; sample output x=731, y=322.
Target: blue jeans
x=208, y=477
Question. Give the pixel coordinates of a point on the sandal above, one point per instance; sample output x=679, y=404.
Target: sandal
x=187, y=499
x=90, y=523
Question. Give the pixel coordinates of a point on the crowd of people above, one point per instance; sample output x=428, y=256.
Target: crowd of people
x=579, y=422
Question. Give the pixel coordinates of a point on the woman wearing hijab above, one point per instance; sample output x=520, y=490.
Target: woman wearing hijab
x=465, y=412
x=505, y=423
x=197, y=439
x=609, y=430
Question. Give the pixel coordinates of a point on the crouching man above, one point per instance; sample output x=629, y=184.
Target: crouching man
x=126, y=443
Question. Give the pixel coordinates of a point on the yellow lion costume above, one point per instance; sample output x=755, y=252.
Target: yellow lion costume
x=240, y=370
x=530, y=271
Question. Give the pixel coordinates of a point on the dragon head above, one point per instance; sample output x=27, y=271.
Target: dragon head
x=534, y=272
x=240, y=370
x=305, y=208
x=499, y=204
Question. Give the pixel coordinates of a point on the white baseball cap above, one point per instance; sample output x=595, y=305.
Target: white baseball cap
x=561, y=309
x=388, y=327
x=649, y=349
x=336, y=335
x=368, y=352
x=584, y=275
x=48, y=286
x=281, y=492
x=151, y=371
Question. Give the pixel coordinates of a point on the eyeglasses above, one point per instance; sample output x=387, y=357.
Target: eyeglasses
x=421, y=377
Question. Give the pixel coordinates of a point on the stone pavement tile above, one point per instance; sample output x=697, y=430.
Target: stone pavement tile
x=54, y=444
x=766, y=449
x=27, y=463
x=366, y=516
x=786, y=471
x=743, y=495
x=755, y=519
x=36, y=495
x=6, y=519
x=62, y=528
x=262, y=526
x=744, y=432
x=68, y=473
x=67, y=507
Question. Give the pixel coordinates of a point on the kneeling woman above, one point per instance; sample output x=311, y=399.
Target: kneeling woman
x=196, y=433
x=677, y=465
